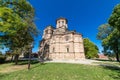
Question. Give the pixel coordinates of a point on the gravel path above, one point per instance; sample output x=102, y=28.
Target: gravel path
x=83, y=61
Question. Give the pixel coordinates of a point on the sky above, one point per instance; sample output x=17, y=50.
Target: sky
x=84, y=16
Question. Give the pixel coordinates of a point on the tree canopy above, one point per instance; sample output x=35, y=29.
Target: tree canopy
x=114, y=19
x=91, y=50
x=103, y=31
x=16, y=22
x=17, y=27
x=111, y=42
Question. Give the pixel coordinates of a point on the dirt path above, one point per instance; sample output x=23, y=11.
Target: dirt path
x=13, y=68
x=83, y=61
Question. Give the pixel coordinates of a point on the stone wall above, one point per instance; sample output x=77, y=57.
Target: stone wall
x=63, y=44
x=67, y=56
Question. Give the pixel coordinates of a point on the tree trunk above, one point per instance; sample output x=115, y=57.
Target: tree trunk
x=117, y=51
x=117, y=55
x=29, y=61
x=16, y=59
x=12, y=58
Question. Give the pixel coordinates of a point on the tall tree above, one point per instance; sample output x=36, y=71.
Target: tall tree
x=23, y=33
x=108, y=35
x=104, y=31
x=91, y=50
x=114, y=21
x=111, y=42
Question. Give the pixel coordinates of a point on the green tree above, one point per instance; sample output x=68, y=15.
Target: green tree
x=9, y=22
x=91, y=50
x=104, y=31
x=23, y=28
x=108, y=35
x=114, y=21
x=111, y=43
x=111, y=40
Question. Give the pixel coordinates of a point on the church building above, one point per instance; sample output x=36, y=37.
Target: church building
x=60, y=43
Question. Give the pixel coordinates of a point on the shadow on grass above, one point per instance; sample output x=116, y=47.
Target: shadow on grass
x=105, y=60
x=7, y=62
x=2, y=76
x=24, y=62
x=21, y=62
x=40, y=64
x=113, y=68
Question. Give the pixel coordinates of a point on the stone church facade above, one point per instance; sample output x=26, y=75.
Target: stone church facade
x=60, y=43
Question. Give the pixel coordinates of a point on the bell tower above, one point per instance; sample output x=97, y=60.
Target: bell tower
x=48, y=32
x=61, y=23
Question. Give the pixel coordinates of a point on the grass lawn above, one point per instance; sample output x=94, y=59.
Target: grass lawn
x=58, y=71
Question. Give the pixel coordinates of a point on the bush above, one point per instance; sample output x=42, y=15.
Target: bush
x=2, y=58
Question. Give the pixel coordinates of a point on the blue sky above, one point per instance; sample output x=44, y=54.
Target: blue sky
x=84, y=16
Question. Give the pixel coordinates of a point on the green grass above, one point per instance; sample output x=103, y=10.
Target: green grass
x=62, y=71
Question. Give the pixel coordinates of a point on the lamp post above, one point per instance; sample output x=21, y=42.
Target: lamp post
x=30, y=52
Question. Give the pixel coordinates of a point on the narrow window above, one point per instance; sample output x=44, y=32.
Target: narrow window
x=62, y=21
x=53, y=49
x=59, y=23
x=67, y=49
x=67, y=38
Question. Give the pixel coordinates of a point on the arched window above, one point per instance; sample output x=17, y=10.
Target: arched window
x=67, y=48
